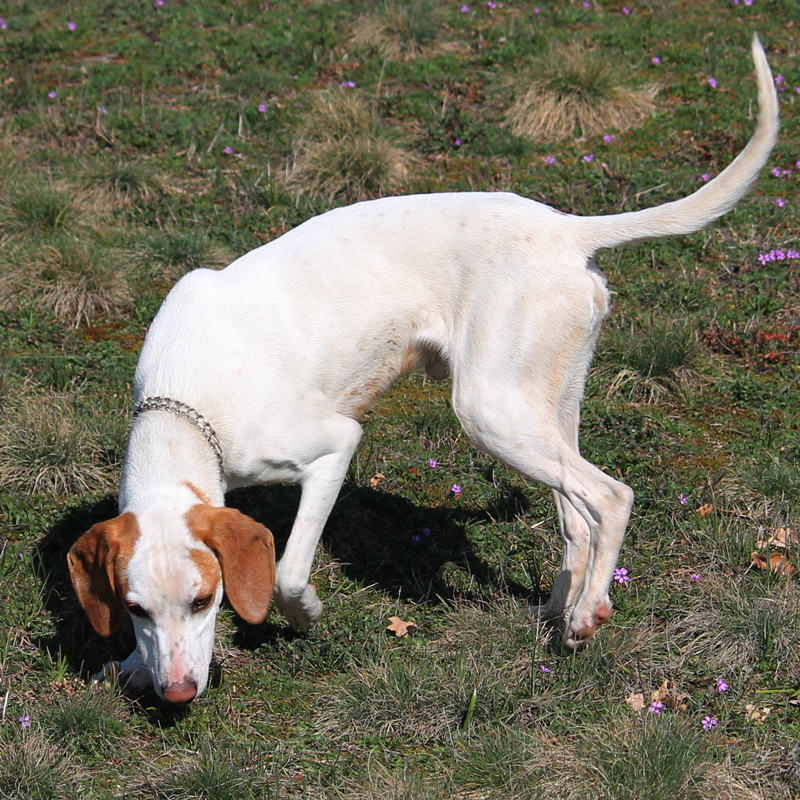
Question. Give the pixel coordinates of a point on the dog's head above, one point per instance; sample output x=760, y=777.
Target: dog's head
x=168, y=573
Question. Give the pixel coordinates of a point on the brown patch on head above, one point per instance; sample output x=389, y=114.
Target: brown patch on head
x=246, y=556
x=209, y=569
x=198, y=493
x=97, y=564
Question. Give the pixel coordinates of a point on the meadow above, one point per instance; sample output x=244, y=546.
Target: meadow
x=139, y=140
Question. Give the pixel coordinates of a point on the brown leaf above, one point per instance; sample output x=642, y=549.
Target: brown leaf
x=778, y=563
x=635, y=701
x=705, y=510
x=400, y=628
x=376, y=480
x=783, y=538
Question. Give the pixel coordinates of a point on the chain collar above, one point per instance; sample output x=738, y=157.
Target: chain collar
x=182, y=410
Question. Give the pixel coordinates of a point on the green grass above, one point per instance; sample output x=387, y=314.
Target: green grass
x=169, y=144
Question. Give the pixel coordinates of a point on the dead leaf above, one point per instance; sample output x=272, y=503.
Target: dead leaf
x=400, y=628
x=670, y=697
x=757, y=714
x=778, y=563
x=783, y=538
x=376, y=480
x=635, y=701
x=705, y=510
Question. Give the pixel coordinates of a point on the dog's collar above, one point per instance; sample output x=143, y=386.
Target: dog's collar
x=182, y=410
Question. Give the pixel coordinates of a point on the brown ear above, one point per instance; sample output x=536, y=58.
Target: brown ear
x=92, y=566
x=246, y=555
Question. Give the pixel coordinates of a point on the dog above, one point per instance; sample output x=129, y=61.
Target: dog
x=259, y=373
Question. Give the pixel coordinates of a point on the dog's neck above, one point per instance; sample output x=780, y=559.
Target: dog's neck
x=169, y=461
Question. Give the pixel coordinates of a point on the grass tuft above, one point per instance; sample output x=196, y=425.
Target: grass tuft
x=407, y=29
x=31, y=767
x=344, y=151
x=48, y=446
x=577, y=91
x=167, y=255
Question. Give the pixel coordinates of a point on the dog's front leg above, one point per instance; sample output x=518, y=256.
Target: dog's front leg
x=131, y=674
x=293, y=594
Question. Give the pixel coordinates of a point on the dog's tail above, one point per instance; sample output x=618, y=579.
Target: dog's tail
x=715, y=198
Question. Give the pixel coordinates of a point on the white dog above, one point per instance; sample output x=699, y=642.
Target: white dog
x=259, y=373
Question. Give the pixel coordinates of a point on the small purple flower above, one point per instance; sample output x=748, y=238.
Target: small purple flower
x=228, y=150
x=102, y=109
x=545, y=670
x=695, y=576
x=73, y=26
x=159, y=2
x=776, y=172
x=721, y=685
x=3, y=25
x=549, y=159
x=25, y=722
x=458, y=142
x=709, y=723
x=682, y=499
x=656, y=59
x=347, y=85
x=588, y=158
x=456, y=489
x=712, y=82
x=433, y=463
x=464, y=9
x=626, y=10
x=608, y=138
x=537, y=10
x=705, y=177
x=587, y=4
x=621, y=576
x=656, y=707
x=748, y=2
x=491, y=5
x=52, y=95
x=262, y=108
x=781, y=202
x=415, y=538
x=426, y=531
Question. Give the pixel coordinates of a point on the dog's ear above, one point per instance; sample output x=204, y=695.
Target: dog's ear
x=91, y=567
x=246, y=555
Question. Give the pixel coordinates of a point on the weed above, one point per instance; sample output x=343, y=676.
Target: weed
x=345, y=152
x=31, y=767
x=37, y=207
x=578, y=91
x=403, y=29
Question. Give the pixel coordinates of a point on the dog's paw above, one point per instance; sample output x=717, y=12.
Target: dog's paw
x=584, y=621
x=301, y=611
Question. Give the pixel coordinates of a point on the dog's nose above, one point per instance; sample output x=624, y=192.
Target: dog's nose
x=182, y=692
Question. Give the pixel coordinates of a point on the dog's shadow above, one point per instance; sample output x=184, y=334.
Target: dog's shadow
x=377, y=539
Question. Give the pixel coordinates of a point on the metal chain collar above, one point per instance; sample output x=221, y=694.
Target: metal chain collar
x=182, y=410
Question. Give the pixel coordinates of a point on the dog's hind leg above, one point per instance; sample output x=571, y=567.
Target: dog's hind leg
x=320, y=482
x=529, y=435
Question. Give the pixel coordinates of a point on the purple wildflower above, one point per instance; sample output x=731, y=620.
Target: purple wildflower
x=456, y=489
x=608, y=138
x=549, y=159
x=781, y=202
x=588, y=158
x=656, y=59
x=721, y=685
x=262, y=108
x=709, y=723
x=545, y=670
x=228, y=150
x=72, y=26
x=656, y=707
x=433, y=463
x=25, y=722
x=621, y=576
x=712, y=82
x=682, y=499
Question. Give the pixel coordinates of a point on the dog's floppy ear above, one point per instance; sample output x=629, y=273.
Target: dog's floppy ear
x=246, y=555
x=91, y=567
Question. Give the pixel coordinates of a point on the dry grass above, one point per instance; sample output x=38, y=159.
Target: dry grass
x=70, y=278
x=404, y=30
x=47, y=446
x=578, y=92
x=343, y=150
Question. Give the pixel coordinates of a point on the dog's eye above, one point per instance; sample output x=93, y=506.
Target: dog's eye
x=201, y=603
x=137, y=611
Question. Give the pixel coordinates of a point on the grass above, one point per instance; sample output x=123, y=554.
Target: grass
x=185, y=134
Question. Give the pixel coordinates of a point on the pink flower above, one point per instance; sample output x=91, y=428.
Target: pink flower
x=608, y=138
x=465, y=9
x=721, y=685
x=621, y=576
x=705, y=177
x=52, y=95
x=712, y=82
x=588, y=158
x=626, y=10
x=25, y=722
x=709, y=723
x=432, y=463
x=656, y=60
x=656, y=707
x=72, y=25
x=228, y=150
x=347, y=85
x=456, y=489
x=781, y=202
x=262, y=108
x=695, y=576
x=545, y=670
x=549, y=159
x=159, y=2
